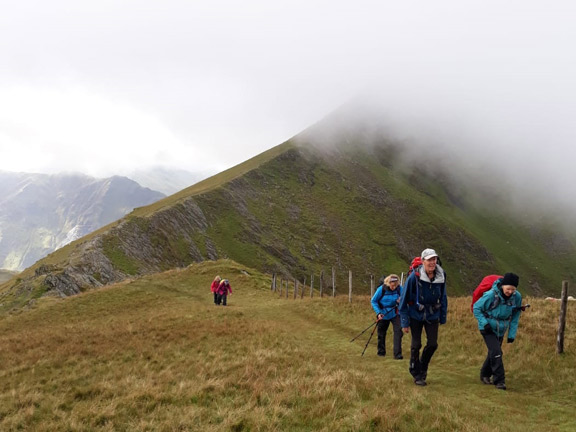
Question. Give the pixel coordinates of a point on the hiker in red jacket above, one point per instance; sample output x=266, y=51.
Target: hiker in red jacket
x=214, y=288
x=224, y=289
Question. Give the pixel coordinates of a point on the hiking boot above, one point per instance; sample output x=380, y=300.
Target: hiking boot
x=486, y=380
x=382, y=354
x=501, y=386
x=420, y=382
x=398, y=357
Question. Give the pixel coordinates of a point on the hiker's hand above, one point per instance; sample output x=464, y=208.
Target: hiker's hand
x=510, y=340
x=406, y=329
x=380, y=316
x=487, y=329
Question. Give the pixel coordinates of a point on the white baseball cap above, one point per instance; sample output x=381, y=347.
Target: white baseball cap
x=428, y=253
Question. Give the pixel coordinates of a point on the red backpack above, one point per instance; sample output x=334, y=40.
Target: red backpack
x=416, y=262
x=484, y=286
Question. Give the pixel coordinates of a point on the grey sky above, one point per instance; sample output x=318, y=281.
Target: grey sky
x=104, y=87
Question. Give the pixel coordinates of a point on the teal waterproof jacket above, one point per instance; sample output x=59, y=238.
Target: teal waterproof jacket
x=502, y=314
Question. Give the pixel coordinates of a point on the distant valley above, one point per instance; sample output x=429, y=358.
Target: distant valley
x=40, y=213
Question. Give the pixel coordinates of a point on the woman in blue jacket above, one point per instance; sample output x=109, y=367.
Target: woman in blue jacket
x=498, y=311
x=385, y=303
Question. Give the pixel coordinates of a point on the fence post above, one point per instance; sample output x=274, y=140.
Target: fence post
x=562, y=323
x=303, y=286
x=281, y=284
x=295, y=288
x=311, y=285
x=371, y=285
x=349, y=286
x=333, y=282
x=321, y=283
x=286, y=288
x=273, y=287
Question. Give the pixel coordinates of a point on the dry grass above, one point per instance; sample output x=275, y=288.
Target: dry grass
x=156, y=355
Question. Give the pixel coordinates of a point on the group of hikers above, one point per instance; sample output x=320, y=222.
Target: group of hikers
x=220, y=288
x=422, y=304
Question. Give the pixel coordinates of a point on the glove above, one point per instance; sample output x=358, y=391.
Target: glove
x=487, y=329
x=510, y=340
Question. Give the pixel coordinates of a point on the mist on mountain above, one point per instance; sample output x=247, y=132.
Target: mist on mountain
x=167, y=180
x=512, y=153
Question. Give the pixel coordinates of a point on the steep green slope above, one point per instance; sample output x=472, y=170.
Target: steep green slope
x=155, y=354
x=299, y=210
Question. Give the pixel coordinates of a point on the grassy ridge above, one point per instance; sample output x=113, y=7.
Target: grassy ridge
x=155, y=354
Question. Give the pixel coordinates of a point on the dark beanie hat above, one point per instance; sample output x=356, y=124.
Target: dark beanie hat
x=510, y=279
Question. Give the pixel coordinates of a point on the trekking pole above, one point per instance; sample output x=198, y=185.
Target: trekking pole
x=363, y=331
x=371, y=334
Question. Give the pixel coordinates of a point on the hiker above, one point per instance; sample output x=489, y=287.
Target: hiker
x=214, y=288
x=224, y=289
x=385, y=304
x=423, y=305
x=498, y=311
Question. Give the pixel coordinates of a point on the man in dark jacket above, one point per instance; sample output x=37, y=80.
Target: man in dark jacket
x=424, y=305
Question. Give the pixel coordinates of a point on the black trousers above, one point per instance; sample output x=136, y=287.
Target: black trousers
x=493, y=365
x=221, y=299
x=383, y=329
x=419, y=365
x=215, y=298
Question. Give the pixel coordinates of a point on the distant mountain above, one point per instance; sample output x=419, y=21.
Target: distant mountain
x=339, y=195
x=165, y=180
x=40, y=213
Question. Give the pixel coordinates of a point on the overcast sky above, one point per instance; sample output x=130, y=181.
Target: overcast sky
x=105, y=87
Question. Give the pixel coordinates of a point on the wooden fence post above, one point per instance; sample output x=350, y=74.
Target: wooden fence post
x=349, y=286
x=321, y=283
x=286, y=288
x=281, y=284
x=562, y=323
x=273, y=287
x=311, y=285
x=371, y=285
x=333, y=282
x=295, y=288
x=303, y=286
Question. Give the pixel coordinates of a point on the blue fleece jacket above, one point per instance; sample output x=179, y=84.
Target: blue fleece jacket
x=385, y=301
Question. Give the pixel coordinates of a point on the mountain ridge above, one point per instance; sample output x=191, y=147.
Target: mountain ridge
x=298, y=210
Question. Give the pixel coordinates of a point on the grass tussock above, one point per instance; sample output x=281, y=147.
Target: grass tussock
x=155, y=354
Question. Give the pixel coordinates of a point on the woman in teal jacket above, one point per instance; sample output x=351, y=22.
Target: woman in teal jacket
x=385, y=304
x=498, y=311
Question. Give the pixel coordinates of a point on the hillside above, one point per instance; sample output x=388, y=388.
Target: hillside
x=40, y=213
x=155, y=354
x=300, y=209
x=6, y=275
